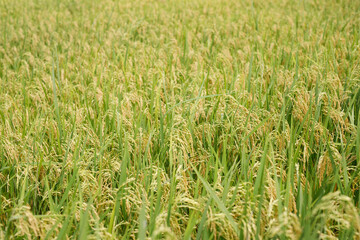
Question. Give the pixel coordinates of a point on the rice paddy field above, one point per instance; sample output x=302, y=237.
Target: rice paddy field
x=169, y=119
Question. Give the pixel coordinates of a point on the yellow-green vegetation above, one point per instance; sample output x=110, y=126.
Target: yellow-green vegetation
x=169, y=119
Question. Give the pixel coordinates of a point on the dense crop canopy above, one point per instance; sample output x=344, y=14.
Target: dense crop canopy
x=169, y=119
